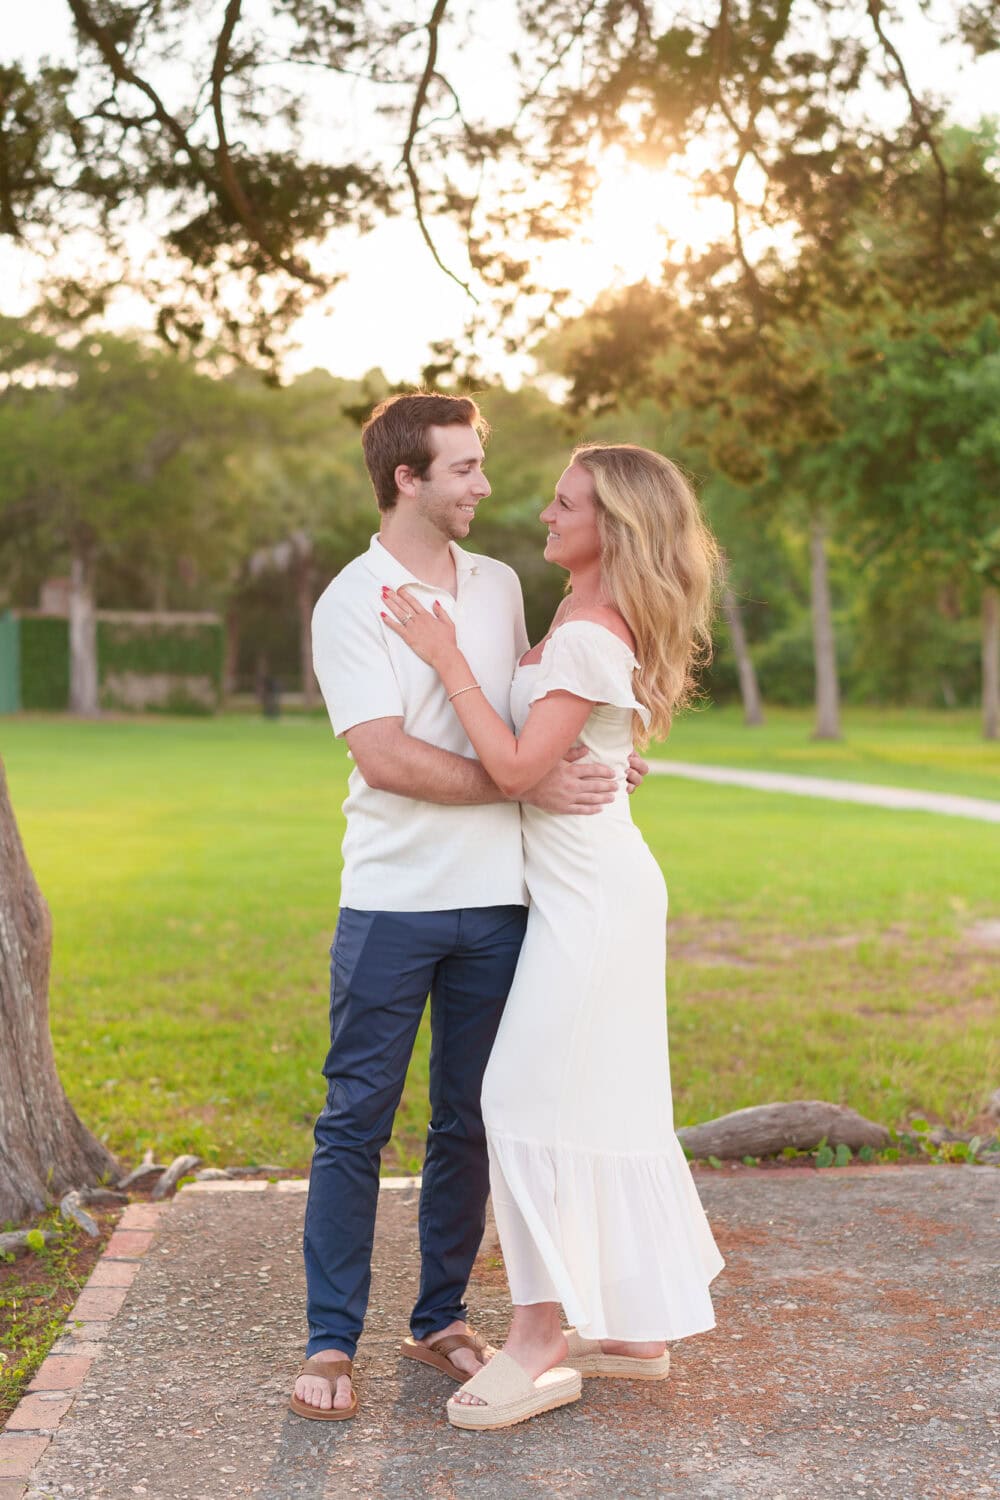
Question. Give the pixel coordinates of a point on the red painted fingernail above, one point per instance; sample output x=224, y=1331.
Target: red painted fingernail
x=383, y=614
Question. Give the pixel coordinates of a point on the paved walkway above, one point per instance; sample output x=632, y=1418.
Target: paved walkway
x=903, y=799
x=853, y=1356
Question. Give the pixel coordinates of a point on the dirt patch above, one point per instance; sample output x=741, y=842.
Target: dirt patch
x=695, y=941
x=984, y=934
x=925, y=1231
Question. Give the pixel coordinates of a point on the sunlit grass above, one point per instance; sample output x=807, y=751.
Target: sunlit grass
x=192, y=868
x=891, y=747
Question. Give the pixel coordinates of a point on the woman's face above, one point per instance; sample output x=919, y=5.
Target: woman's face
x=574, y=539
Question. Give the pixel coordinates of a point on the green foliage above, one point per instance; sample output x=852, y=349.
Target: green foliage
x=117, y=456
x=784, y=663
x=183, y=649
x=44, y=663
x=857, y=381
x=921, y=446
x=824, y=1156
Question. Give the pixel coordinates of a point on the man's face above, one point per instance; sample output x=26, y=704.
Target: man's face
x=455, y=482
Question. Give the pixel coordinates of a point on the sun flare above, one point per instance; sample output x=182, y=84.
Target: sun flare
x=637, y=215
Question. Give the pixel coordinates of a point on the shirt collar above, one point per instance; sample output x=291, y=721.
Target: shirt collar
x=388, y=569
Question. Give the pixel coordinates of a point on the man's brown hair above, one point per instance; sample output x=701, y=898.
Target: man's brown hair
x=397, y=433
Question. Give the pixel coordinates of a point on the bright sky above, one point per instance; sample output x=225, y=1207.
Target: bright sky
x=395, y=301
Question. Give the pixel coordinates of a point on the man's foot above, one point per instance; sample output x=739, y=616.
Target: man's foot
x=534, y=1350
x=466, y=1360
x=325, y=1395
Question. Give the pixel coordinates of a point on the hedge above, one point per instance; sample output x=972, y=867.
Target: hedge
x=44, y=663
x=179, y=650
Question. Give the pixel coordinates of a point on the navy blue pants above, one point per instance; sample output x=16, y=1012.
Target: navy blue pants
x=383, y=964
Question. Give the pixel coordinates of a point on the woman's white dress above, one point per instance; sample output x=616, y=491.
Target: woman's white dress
x=593, y=1197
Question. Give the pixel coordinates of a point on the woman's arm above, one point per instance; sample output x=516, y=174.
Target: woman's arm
x=515, y=765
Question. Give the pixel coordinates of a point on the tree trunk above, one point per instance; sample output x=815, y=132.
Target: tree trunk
x=304, y=582
x=82, y=638
x=44, y=1149
x=231, y=655
x=991, y=662
x=753, y=712
x=824, y=644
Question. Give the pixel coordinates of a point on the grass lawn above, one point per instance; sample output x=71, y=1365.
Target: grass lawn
x=192, y=866
x=934, y=752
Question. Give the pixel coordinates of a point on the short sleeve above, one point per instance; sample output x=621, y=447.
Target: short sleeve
x=351, y=662
x=584, y=658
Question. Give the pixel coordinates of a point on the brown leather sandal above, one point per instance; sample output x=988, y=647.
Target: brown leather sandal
x=436, y=1354
x=330, y=1370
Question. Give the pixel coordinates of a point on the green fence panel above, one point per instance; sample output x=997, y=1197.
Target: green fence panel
x=10, y=663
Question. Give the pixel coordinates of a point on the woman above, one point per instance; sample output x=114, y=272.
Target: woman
x=594, y=1201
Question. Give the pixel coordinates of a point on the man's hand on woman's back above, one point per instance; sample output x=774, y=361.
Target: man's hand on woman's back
x=638, y=770
x=574, y=785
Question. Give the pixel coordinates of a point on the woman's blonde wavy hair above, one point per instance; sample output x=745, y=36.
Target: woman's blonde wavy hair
x=660, y=568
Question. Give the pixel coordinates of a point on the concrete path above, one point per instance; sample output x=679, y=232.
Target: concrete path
x=855, y=1355
x=903, y=799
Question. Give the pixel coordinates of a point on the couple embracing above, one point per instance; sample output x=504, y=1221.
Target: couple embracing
x=491, y=861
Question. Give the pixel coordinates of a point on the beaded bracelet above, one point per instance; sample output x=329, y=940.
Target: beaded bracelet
x=463, y=690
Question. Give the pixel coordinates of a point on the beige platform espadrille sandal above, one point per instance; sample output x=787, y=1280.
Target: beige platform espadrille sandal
x=511, y=1395
x=587, y=1356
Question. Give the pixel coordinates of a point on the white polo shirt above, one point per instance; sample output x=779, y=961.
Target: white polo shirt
x=401, y=854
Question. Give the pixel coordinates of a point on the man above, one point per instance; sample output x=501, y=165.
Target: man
x=432, y=898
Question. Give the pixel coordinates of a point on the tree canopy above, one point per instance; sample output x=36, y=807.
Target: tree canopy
x=202, y=124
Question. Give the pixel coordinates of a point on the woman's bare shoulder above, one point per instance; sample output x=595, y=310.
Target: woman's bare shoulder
x=603, y=614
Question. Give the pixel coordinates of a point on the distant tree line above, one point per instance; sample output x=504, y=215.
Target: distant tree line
x=153, y=483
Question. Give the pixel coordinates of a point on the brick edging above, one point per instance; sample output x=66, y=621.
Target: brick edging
x=35, y=1420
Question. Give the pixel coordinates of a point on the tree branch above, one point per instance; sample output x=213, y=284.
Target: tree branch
x=231, y=185
x=558, y=60
x=874, y=8
x=420, y=99
x=91, y=28
x=99, y=35
x=745, y=146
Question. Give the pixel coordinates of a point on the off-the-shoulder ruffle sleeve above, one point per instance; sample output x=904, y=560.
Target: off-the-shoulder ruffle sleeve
x=584, y=658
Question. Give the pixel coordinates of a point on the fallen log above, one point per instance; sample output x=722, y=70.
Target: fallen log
x=766, y=1129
